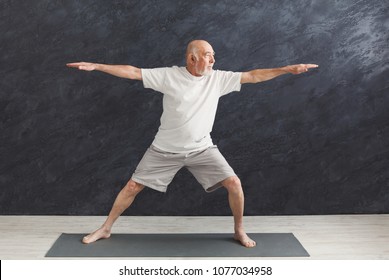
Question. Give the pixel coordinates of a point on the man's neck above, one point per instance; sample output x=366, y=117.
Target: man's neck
x=192, y=72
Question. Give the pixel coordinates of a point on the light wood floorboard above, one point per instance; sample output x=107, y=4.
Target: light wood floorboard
x=335, y=237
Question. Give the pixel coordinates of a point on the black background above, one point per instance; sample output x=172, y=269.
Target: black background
x=317, y=143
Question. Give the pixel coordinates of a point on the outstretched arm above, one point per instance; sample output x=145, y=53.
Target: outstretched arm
x=261, y=75
x=122, y=71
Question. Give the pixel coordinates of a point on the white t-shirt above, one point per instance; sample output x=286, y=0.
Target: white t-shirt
x=189, y=105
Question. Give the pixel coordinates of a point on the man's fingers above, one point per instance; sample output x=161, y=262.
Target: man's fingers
x=81, y=65
x=74, y=65
x=305, y=67
x=311, y=65
x=301, y=68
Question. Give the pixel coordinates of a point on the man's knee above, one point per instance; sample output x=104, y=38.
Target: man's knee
x=132, y=188
x=232, y=183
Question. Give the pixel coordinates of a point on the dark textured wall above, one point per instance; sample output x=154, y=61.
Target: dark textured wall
x=316, y=143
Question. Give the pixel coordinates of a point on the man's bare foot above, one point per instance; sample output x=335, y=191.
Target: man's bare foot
x=244, y=240
x=101, y=233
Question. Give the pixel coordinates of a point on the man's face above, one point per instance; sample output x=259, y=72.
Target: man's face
x=205, y=59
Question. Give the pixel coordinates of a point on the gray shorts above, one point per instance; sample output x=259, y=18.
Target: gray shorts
x=157, y=168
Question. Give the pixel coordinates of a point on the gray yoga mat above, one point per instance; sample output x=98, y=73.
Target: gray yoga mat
x=178, y=245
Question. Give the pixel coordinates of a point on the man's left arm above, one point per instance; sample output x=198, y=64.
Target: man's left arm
x=261, y=75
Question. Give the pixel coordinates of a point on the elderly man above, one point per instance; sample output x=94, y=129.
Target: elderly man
x=190, y=101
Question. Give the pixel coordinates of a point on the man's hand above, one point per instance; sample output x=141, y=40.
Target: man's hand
x=86, y=66
x=299, y=68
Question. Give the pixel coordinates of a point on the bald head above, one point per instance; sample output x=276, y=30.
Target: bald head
x=200, y=58
x=195, y=46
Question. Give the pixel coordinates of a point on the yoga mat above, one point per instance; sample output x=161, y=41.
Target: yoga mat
x=178, y=245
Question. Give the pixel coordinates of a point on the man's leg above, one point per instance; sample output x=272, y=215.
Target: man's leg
x=236, y=201
x=122, y=202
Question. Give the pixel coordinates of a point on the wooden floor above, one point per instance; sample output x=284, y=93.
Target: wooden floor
x=335, y=237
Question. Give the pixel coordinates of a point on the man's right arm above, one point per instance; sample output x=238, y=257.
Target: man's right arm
x=122, y=71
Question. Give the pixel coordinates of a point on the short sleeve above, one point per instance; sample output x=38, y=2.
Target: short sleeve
x=229, y=81
x=154, y=78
